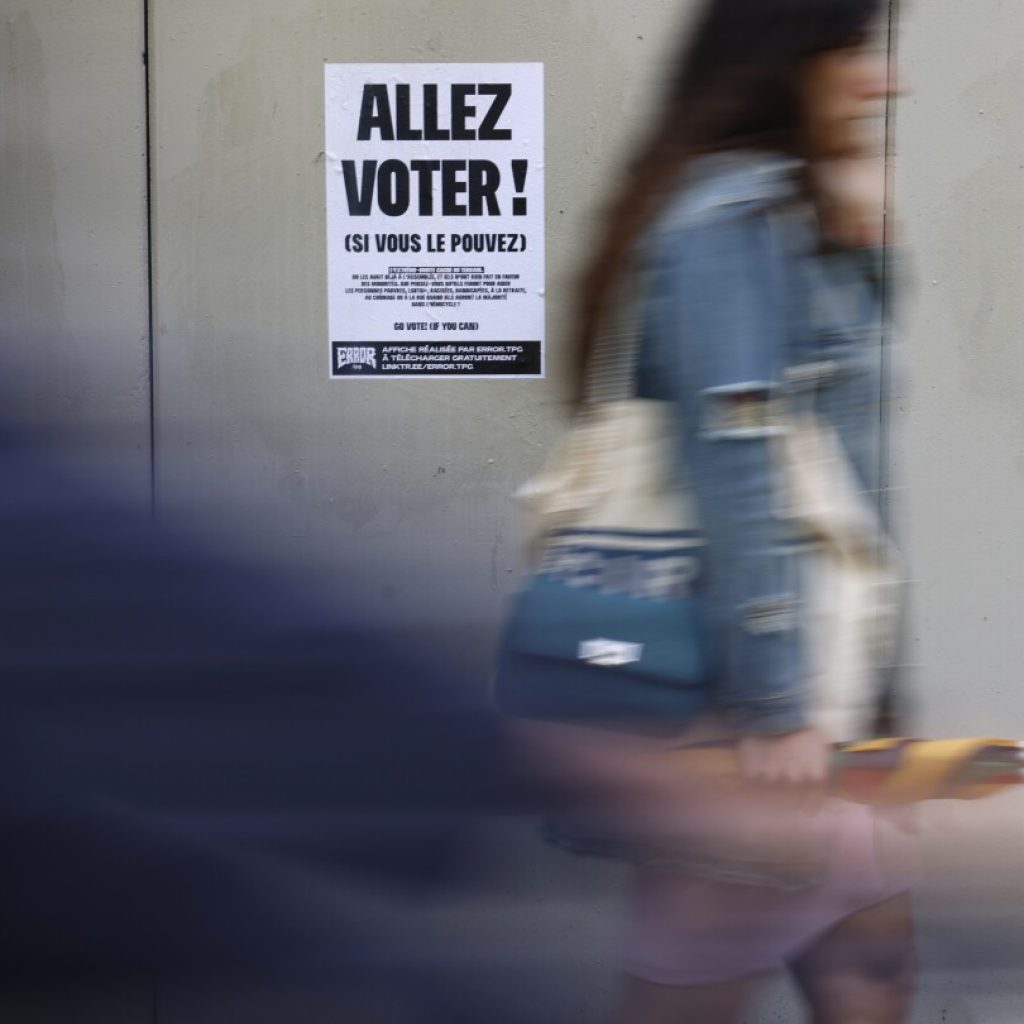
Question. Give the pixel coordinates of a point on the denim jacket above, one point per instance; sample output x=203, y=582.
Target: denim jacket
x=742, y=307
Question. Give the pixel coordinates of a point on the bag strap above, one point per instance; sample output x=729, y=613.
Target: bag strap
x=612, y=368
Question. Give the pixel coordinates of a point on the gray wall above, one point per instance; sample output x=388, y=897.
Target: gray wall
x=959, y=452
x=73, y=272
x=958, y=177
x=409, y=481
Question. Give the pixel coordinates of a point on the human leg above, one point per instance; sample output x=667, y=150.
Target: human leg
x=862, y=971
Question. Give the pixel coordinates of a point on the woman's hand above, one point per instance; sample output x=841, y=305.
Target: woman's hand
x=794, y=759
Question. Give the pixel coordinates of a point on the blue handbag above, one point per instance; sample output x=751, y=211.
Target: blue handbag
x=609, y=627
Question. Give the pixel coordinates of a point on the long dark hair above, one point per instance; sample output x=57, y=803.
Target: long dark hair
x=737, y=88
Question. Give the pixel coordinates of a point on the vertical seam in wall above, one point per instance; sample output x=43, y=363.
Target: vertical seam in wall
x=154, y=1013
x=150, y=249
x=886, y=393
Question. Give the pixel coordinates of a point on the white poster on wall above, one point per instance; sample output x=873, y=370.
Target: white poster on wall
x=435, y=220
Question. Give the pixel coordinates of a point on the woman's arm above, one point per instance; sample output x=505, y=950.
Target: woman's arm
x=723, y=305
x=722, y=300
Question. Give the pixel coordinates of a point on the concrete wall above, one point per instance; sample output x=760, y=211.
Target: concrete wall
x=73, y=268
x=959, y=452
x=409, y=480
x=958, y=173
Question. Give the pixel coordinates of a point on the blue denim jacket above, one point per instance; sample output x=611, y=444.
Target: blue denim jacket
x=741, y=306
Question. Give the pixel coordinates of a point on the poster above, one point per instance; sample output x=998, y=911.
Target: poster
x=435, y=220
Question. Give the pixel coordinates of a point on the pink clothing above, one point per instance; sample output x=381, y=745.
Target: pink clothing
x=688, y=930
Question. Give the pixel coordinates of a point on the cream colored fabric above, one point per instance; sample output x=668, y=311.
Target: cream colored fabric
x=618, y=467
x=852, y=583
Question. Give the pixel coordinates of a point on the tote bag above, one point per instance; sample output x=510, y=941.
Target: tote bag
x=611, y=623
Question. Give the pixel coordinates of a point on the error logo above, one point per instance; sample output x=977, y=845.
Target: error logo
x=349, y=359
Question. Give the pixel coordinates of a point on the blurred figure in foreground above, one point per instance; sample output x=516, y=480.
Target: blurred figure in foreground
x=196, y=756
x=745, y=257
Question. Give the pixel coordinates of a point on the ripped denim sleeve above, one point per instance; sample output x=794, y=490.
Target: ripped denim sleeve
x=722, y=322
x=744, y=411
x=753, y=581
